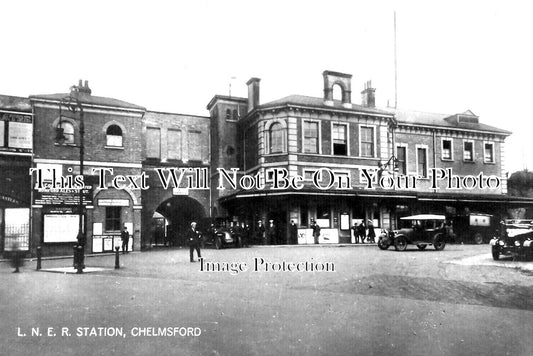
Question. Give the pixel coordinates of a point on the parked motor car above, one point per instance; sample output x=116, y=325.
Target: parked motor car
x=223, y=237
x=475, y=228
x=515, y=239
x=421, y=230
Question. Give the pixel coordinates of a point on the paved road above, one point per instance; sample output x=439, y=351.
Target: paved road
x=451, y=302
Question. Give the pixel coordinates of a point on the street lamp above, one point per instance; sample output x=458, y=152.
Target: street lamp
x=392, y=161
x=73, y=104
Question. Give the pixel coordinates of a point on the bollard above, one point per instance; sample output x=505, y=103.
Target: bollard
x=39, y=255
x=78, y=258
x=117, y=264
x=75, y=254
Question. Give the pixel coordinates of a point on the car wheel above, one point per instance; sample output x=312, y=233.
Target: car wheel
x=421, y=247
x=400, y=243
x=218, y=243
x=478, y=238
x=383, y=245
x=438, y=242
x=495, y=253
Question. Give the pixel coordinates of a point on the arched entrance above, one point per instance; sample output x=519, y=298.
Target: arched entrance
x=172, y=217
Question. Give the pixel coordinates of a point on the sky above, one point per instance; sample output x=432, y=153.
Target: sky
x=174, y=56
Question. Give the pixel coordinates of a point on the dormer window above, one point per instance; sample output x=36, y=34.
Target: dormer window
x=114, y=136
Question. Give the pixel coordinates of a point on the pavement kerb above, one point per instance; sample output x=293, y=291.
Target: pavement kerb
x=30, y=259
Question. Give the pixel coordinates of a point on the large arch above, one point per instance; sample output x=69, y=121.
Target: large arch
x=178, y=212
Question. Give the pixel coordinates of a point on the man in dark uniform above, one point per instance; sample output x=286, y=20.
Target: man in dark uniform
x=193, y=237
x=371, y=232
x=316, y=231
x=260, y=233
x=125, y=237
x=293, y=233
x=272, y=238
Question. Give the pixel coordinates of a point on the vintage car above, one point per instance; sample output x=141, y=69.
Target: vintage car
x=421, y=230
x=223, y=237
x=475, y=228
x=515, y=239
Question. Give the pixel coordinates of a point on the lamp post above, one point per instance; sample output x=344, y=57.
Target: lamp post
x=392, y=160
x=73, y=104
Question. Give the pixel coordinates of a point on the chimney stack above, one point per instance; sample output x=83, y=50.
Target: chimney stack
x=368, y=98
x=253, y=93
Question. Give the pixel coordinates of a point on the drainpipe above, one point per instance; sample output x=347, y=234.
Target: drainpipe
x=434, y=153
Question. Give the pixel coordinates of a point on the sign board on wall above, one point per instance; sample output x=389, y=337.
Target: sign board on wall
x=108, y=243
x=61, y=228
x=327, y=236
x=113, y=202
x=19, y=132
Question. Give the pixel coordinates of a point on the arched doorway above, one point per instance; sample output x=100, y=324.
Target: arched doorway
x=172, y=217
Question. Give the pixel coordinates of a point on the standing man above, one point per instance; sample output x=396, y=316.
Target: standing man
x=316, y=231
x=371, y=232
x=193, y=237
x=125, y=237
x=361, y=232
x=271, y=233
x=293, y=233
x=260, y=233
x=355, y=230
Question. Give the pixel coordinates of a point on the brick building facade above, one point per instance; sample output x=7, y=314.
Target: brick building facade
x=349, y=149
x=335, y=153
x=174, y=143
x=112, y=133
x=16, y=147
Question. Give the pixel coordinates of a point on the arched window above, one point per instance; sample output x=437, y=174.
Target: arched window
x=228, y=114
x=68, y=131
x=276, y=138
x=114, y=136
x=235, y=115
x=338, y=92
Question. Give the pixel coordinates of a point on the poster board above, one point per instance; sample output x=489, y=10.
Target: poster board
x=61, y=228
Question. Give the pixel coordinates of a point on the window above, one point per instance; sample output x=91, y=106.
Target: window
x=195, y=146
x=422, y=167
x=488, y=156
x=235, y=115
x=367, y=141
x=446, y=149
x=112, y=218
x=153, y=142
x=174, y=144
x=228, y=114
x=401, y=156
x=114, y=136
x=276, y=138
x=2, y=133
x=340, y=146
x=68, y=131
x=468, y=151
x=310, y=137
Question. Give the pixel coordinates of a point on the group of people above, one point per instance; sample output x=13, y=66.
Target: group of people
x=268, y=235
x=360, y=234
